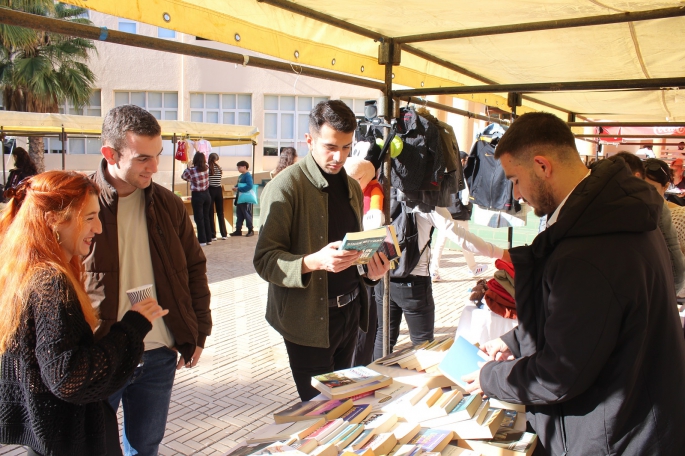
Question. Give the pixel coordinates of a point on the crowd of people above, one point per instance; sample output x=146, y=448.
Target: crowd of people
x=596, y=358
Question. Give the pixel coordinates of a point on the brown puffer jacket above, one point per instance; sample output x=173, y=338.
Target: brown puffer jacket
x=180, y=266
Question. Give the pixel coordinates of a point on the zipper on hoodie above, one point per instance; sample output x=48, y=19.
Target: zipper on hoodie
x=562, y=420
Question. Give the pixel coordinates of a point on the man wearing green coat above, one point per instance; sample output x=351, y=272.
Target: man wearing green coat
x=317, y=298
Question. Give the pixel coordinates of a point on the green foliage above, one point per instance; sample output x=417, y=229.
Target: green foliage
x=40, y=69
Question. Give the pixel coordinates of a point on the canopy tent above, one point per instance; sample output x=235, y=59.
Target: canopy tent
x=35, y=124
x=639, y=50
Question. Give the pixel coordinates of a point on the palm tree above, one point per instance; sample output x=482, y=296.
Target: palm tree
x=39, y=70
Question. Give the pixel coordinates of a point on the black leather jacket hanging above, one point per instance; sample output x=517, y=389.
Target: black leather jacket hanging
x=485, y=177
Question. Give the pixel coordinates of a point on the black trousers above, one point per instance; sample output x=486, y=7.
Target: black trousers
x=306, y=362
x=414, y=300
x=363, y=353
x=243, y=214
x=216, y=195
x=202, y=204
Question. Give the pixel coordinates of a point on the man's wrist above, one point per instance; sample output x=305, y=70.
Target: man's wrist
x=309, y=264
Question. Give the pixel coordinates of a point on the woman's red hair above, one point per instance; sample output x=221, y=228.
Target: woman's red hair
x=28, y=243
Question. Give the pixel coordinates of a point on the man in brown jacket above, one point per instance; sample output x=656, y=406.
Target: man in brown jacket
x=146, y=239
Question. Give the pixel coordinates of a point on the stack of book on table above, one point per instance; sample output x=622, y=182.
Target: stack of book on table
x=365, y=414
x=424, y=357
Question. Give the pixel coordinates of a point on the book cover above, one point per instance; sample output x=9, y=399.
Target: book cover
x=472, y=429
x=405, y=431
x=357, y=390
x=345, y=379
x=515, y=443
x=447, y=402
x=382, y=443
x=462, y=358
x=366, y=242
x=305, y=445
x=432, y=439
x=390, y=247
x=349, y=437
x=387, y=399
x=326, y=429
x=406, y=450
x=275, y=432
x=330, y=410
x=357, y=413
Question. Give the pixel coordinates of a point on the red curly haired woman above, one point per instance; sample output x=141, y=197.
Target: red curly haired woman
x=54, y=377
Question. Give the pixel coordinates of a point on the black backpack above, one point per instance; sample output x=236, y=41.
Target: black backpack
x=404, y=221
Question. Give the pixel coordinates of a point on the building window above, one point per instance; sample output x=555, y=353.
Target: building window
x=355, y=104
x=94, y=107
x=166, y=33
x=128, y=26
x=286, y=120
x=74, y=146
x=162, y=105
x=223, y=108
x=226, y=108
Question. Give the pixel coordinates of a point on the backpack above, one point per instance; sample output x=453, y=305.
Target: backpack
x=404, y=221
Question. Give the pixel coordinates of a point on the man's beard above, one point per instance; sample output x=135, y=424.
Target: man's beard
x=542, y=199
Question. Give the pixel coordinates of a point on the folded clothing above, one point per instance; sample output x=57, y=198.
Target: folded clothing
x=505, y=266
x=495, y=287
x=507, y=282
x=499, y=305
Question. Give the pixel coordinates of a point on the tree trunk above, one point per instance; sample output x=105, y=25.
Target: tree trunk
x=36, y=152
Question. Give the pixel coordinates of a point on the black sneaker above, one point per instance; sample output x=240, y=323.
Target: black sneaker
x=249, y=233
x=236, y=233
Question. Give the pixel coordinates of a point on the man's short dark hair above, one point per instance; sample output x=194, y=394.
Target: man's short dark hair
x=633, y=163
x=243, y=163
x=334, y=113
x=123, y=119
x=538, y=133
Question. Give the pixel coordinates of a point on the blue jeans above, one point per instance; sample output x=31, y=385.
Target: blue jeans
x=146, y=398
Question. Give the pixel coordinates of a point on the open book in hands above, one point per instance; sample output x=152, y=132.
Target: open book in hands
x=383, y=239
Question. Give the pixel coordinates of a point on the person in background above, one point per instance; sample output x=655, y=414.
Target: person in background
x=244, y=212
x=216, y=195
x=287, y=158
x=677, y=168
x=198, y=176
x=56, y=378
x=147, y=239
x=364, y=172
x=461, y=213
x=23, y=168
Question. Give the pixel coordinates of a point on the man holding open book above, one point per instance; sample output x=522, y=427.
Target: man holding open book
x=317, y=298
x=598, y=357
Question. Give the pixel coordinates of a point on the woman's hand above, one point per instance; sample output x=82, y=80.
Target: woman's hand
x=150, y=309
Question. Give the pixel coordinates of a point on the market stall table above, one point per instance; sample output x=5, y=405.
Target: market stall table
x=228, y=210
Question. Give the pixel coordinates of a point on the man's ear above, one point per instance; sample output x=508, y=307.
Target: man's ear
x=109, y=154
x=310, y=140
x=542, y=166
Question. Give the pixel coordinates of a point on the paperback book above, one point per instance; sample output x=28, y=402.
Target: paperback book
x=371, y=241
x=329, y=410
x=349, y=382
x=462, y=358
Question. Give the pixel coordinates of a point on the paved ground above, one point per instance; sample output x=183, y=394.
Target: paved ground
x=243, y=375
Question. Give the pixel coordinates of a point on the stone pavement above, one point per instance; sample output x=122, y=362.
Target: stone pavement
x=243, y=375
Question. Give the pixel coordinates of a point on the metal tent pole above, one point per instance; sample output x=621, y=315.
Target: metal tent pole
x=63, y=139
x=567, y=86
x=2, y=136
x=173, y=162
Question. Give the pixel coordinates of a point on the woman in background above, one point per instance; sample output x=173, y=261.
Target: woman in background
x=23, y=168
x=216, y=195
x=55, y=378
x=198, y=176
x=288, y=157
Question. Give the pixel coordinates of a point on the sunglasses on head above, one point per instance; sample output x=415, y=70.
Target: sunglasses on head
x=654, y=166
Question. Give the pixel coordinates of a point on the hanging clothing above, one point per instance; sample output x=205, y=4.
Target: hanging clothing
x=485, y=177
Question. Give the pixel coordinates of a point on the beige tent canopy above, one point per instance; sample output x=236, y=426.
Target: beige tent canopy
x=33, y=124
x=301, y=32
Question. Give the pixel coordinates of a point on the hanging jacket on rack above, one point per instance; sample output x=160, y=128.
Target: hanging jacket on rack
x=421, y=164
x=485, y=177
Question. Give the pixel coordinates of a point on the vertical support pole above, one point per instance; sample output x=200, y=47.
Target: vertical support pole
x=254, y=150
x=386, y=200
x=63, y=138
x=4, y=177
x=174, y=140
x=514, y=99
